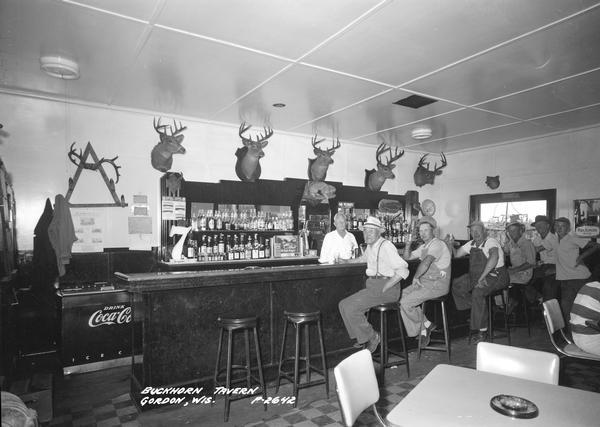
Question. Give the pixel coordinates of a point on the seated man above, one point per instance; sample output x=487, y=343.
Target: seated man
x=522, y=259
x=431, y=280
x=338, y=244
x=544, y=274
x=486, y=274
x=571, y=272
x=585, y=318
x=385, y=270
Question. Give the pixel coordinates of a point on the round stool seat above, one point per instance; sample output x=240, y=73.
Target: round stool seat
x=237, y=322
x=386, y=306
x=439, y=299
x=300, y=317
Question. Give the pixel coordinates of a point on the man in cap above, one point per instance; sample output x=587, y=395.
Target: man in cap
x=338, y=245
x=522, y=260
x=385, y=270
x=571, y=272
x=545, y=242
x=431, y=279
x=486, y=275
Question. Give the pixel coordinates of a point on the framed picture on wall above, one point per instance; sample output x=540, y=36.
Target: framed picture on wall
x=587, y=217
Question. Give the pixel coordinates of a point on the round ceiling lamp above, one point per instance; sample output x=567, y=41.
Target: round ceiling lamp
x=421, y=132
x=59, y=67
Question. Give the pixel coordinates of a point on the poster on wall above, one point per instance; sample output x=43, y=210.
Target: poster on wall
x=587, y=217
x=90, y=226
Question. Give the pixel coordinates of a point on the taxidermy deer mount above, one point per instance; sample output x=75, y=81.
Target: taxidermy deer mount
x=170, y=143
x=247, y=166
x=317, y=167
x=423, y=175
x=79, y=160
x=374, y=179
x=493, y=181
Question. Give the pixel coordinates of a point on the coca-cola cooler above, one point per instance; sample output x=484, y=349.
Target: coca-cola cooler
x=96, y=327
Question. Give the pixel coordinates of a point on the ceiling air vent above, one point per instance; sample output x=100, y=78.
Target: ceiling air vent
x=415, y=101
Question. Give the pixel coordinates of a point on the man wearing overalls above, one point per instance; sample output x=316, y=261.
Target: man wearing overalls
x=486, y=275
x=431, y=279
x=385, y=270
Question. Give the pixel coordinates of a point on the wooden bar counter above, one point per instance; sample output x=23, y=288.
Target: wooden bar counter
x=178, y=311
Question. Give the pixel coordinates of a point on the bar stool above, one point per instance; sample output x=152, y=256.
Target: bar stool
x=384, y=350
x=441, y=300
x=523, y=305
x=502, y=294
x=302, y=320
x=232, y=325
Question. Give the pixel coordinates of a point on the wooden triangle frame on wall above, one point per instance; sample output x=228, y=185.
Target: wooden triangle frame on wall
x=97, y=165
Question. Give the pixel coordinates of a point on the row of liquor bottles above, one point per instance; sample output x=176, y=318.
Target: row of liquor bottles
x=222, y=247
x=246, y=220
x=397, y=229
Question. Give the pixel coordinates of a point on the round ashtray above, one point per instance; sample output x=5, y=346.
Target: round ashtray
x=514, y=406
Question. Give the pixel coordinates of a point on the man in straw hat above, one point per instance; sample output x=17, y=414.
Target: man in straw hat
x=431, y=279
x=486, y=275
x=385, y=270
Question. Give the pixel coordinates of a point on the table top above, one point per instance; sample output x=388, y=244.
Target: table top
x=457, y=396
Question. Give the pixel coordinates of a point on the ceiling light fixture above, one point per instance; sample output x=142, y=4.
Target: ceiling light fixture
x=279, y=105
x=59, y=67
x=421, y=132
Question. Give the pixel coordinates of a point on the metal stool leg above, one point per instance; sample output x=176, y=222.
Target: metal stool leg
x=323, y=361
x=296, y=365
x=307, y=349
x=217, y=365
x=420, y=329
x=260, y=371
x=383, y=344
x=228, y=373
x=281, y=354
x=248, y=372
x=404, y=348
x=446, y=328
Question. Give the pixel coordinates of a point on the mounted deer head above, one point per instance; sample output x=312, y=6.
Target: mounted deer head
x=247, y=166
x=493, y=181
x=317, y=168
x=374, y=179
x=170, y=143
x=423, y=175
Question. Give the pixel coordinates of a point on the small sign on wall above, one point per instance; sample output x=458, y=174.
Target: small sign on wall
x=587, y=217
x=173, y=208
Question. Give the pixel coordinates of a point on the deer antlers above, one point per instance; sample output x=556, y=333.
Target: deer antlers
x=329, y=151
x=259, y=138
x=73, y=156
x=382, y=149
x=161, y=129
x=435, y=166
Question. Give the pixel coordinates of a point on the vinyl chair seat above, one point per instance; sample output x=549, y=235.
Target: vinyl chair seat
x=556, y=329
x=518, y=362
x=356, y=386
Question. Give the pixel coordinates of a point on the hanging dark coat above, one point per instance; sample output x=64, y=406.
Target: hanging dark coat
x=44, y=266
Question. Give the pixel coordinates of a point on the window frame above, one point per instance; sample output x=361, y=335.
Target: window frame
x=475, y=201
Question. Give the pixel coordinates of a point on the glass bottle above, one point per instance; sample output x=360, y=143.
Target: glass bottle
x=267, y=248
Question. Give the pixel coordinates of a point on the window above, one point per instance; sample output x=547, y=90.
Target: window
x=499, y=209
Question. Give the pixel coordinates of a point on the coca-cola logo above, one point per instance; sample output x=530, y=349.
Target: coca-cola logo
x=110, y=315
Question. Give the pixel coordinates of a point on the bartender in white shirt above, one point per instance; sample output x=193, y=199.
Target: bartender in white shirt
x=339, y=244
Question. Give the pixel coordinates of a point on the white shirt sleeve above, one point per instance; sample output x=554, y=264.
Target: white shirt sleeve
x=326, y=250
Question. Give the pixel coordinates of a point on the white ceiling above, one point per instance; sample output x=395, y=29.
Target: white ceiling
x=500, y=70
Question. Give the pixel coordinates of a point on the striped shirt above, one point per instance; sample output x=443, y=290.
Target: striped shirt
x=586, y=307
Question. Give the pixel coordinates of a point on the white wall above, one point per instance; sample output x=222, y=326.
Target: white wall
x=568, y=162
x=40, y=133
